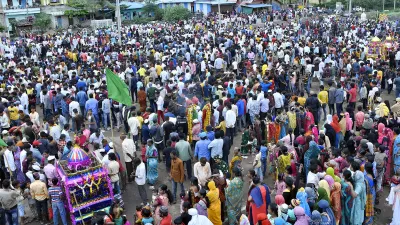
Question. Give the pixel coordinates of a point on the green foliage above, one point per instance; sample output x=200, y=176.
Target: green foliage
x=2, y=28
x=176, y=13
x=76, y=13
x=151, y=9
x=42, y=21
x=92, y=7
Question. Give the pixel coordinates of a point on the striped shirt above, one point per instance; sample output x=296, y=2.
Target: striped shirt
x=55, y=194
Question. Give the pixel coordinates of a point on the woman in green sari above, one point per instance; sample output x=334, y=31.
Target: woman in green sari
x=234, y=195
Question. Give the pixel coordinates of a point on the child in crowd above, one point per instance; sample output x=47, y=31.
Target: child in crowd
x=138, y=215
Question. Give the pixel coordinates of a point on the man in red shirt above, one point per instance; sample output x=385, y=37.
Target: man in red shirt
x=166, y=217
x=353, y=95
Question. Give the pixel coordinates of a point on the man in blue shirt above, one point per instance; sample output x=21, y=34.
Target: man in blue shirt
x=201, y=148
x=240, y=120
x=339, y=98
x=81, y=98
x=81, y=84
x=264, y=151
x=92, y=104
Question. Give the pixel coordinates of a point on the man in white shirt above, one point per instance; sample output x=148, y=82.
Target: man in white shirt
x=313, y=176
x=202, y=171
x=9, y=163
x=278, y=100
x=129, y=150
x=134, y=125
x=230, y=121
x=140, y=178
x=34, y=116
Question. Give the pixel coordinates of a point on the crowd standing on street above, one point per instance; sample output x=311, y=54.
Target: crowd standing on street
x=196, y=86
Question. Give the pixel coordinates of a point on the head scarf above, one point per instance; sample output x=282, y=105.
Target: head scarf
x=330, y=171
x=324, y=206
x=315, y=218
x=330, y=180
x=322, y=195
x=213, y=194
x=311, y=195
x=349, y=122
x=302, y=218
x=302, y=196
x=387, y=132
x=329, y=119
x=324, y=184
x=335, y=198
x=279, y=221
x=335, y=123
x=262, y=219
x=313, y=151
x=368, y=122
x=279, y=200
x=381, y=127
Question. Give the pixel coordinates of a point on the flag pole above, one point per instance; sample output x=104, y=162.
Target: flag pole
x=111, y=123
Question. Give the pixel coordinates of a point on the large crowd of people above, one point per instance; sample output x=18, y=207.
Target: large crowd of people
x=298, y=95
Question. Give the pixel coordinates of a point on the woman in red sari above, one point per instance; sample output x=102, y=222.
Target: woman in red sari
x=259, y=199
x=308, y=120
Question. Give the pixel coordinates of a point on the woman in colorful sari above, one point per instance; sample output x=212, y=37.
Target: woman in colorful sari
x=301, y=217
x=324, y=184
x=236, y=161
x=152, y=163
x=302, y=196
x=194, y=191
x=324, y=208
x=381, y=127
x=357, y=212
x=17, y=159
x=396, y=151
x=311, y=153
x=234, y=195
x=371, y=194
x=284, y=160
x=347, y=193
x=322, y=195
x=336, y=127
x=336, y=201
x=142, y=99
x=388, y=142
x=244, y=146
x=214, y=209
x=164, y=198
x=308, y=120
x=259, y=200
x=349, y=125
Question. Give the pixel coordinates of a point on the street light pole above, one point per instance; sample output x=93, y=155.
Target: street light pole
x=219, y=14
x=349, y=7
x=118, y=15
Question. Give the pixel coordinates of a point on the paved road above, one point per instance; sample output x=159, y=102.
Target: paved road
x=132, y=199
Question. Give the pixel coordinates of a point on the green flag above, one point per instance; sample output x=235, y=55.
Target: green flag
x=2, y=143
x=117, y=89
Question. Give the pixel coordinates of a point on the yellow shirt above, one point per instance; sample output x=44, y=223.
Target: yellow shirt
x=379, y=75
x=13, y=111
x=323, y=97
x=140, y=121
x=222, y=126
x=39, y=190
x=142, y=72
x=301, y=100
x=29, y=91
x=264, y=69
x=158, y=69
